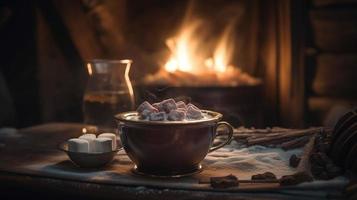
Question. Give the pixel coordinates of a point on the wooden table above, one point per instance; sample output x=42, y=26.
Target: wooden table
x=35, y=143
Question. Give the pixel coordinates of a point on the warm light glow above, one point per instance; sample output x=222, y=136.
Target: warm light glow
x=89, y=67
x=171, y=65
x=197, y=60
x=183, y=49
x=127, y=80
x=188, y=49
x=223, y=53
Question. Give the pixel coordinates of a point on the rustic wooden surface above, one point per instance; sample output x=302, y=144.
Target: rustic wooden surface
x=33, y=143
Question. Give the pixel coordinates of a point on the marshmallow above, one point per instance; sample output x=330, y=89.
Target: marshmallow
x=169, y=110
x=90, y=138
x=181, y=105
x=160, y=116
x=145, y=109
x=176, y=115
x=193, y=112
x=103, y=145
x=146, y=106
x=111, y=136
x=168, y=105
x=195, y=107
x=78, y=145
x=145, y=114
x=158, y=106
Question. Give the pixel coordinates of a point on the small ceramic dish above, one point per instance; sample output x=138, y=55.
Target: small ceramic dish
x=89, y=160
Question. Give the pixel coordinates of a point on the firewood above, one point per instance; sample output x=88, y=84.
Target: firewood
x=242, y=130
x=248, y=135
x=273, y=142
x=208, y=181
x=243, y=133
x=286, y=136
x=259, y=135
x=295, y=143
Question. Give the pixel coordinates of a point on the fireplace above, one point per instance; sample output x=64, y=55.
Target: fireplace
x=261, y=63
x=217, y=54
x=198, y=62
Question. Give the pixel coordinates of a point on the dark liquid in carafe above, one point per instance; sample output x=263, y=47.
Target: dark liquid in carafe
x=100, y=107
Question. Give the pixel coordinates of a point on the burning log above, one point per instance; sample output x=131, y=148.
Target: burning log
x=208, y=78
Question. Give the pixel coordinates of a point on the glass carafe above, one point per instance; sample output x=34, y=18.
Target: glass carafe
x=108, y=92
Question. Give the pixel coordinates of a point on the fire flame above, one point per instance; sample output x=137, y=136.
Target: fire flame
x=186, y=55
x=194, y=61
x=183, y=50
x=224, y=51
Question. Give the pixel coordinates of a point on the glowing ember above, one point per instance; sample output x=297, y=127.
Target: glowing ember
x=192, y=62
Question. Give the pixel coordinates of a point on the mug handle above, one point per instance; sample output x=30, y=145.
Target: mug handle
x=229, y=139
